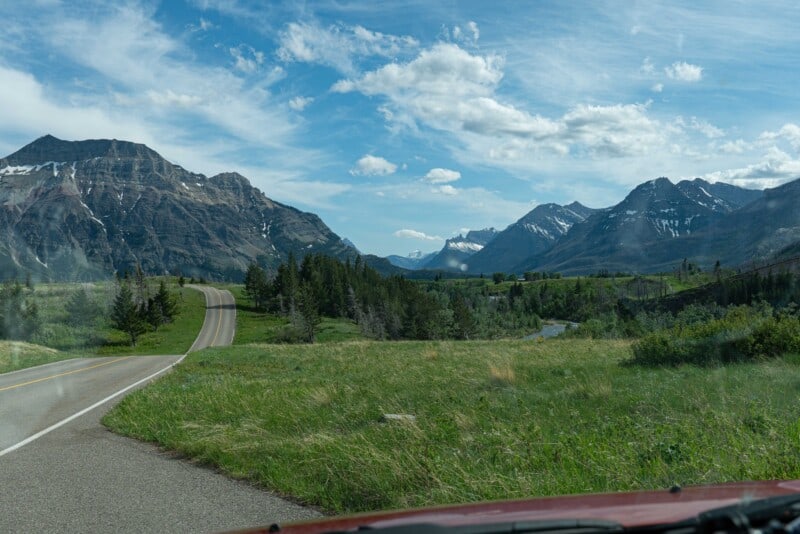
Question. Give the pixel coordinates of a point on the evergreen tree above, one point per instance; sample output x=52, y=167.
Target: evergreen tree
x=165, y=303
x=126, y=316
x=80, y=309
x=308, y=313
x=256, y=286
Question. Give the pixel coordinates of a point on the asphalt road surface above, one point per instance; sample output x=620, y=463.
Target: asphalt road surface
x=220, y=323
x=62, y=471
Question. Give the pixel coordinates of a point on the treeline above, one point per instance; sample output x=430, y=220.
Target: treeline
x=777, y=289
x=383, y=307
x=135, y=310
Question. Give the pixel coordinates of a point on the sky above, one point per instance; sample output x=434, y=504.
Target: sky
x=402, y=124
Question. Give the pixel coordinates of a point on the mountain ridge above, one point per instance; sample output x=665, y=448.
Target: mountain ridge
x=87, y=209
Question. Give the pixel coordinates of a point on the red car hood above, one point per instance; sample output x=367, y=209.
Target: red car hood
x=629, y=509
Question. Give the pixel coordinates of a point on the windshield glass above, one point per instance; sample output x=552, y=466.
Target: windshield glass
x=357, y=256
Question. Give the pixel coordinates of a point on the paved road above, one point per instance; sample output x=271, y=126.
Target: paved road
x=62, y=471
x=220, y=323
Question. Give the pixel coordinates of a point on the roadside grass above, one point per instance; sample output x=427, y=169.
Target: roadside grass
x=96, y=337
x=172, y=338
x=16, y=355
x=253, y=326
x=499, y=419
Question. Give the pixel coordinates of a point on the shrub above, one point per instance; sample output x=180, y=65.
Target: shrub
x=744, y=333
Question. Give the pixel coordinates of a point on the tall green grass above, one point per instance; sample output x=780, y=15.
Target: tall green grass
x=254, y=326
x=58, y=338
x=16, y=355
x=492, y=420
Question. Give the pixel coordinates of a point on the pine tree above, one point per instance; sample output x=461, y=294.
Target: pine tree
x=125, y=315
x=165, y=303
x=256, y=286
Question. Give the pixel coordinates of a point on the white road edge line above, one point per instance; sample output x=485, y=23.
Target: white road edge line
x=74, y=416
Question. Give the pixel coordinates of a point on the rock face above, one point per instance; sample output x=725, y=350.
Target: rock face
x=529, y=237
x=86, y=209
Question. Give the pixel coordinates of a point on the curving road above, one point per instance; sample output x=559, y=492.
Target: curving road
x=62, y=471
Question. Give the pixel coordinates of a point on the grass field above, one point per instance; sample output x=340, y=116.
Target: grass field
x=17, y=355
x=57, y=339
x=492, y=420
x=173, y=338
x=253, y=326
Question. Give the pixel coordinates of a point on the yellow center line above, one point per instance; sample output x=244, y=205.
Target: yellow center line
x=62, y=374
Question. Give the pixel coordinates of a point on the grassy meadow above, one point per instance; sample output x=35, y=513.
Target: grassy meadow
x=16, y=355
x=59, y=338
x=492, y=419
x=254, y=326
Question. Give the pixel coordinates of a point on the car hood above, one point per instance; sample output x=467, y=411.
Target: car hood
x=630, y=509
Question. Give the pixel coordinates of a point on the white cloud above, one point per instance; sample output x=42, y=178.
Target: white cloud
x=448, y=190
x=735, y=147
x=619, y=130
x=441, y=176
x=647, y=68
x=790, y=132
x=444, y=70
x=707, y=129
x=775, y=168
x=657, y=87
x=248, y=59
x=476, y=32
x=373, y=166
x=169, y=98
x=337, y=45
x=452, y=90
x=414, y=234
x=299, y=103
x=684, y=72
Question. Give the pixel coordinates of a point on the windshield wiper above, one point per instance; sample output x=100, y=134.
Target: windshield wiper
x=773, y=515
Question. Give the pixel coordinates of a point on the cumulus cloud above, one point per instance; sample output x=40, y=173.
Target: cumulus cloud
x=373, y=166
x=775, y=168
x=337, y=45
x=299, y=103
x=647, y=68
x=684, y=72
x=473, y=27
x=450, y=89
x=657, y=87
x=441, y=176
x=735, y=147
x=443, y=70
x=620, y=130
x=247, y=59
x=448, y=190
x=414, y=234
x=790, y=132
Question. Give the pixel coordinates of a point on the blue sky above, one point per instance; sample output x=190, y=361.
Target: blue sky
x=404, y=123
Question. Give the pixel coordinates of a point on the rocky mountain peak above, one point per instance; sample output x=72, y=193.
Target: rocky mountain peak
x=85, y=209
x=50, y=148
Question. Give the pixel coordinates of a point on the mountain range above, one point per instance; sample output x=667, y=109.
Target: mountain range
x=81, y=210
x=656, y=226
x=74, y=210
